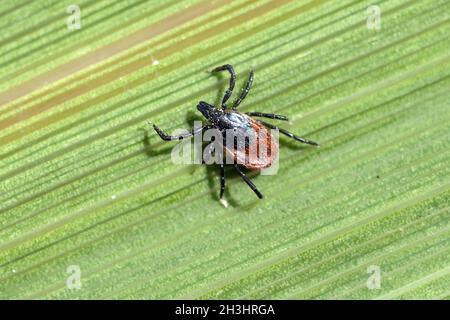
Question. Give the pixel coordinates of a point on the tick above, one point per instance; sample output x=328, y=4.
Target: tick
x=243, y=124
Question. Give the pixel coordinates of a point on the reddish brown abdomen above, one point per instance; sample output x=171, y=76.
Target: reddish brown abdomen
x=261, y=151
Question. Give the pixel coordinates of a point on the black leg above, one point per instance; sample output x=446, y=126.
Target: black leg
x=290, y=135
x=227, y=95
x=193, y=132
x=267, y=115
x=222, y=180
x=222, y=173
x=249, y=182
x=244, y=93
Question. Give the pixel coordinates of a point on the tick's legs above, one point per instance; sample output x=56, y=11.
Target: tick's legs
x=290, y=135
x=267, y=115
x=222, y=173
x=244, y=93
x=227, y=95
x=248, y=181
x=193, y=132
x=222, y=180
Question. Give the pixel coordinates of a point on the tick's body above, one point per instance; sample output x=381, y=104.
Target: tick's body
x=259, y=137
x=256, y=135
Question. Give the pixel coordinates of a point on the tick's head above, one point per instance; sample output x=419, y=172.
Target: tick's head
x=209, y=112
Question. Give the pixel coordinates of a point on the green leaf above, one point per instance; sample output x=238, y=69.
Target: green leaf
x=86, y=182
